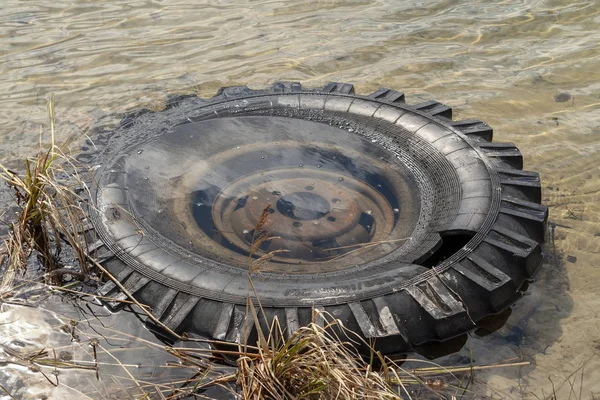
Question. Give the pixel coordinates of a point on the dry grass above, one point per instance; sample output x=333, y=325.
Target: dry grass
x=50, y=211
x=312, y=364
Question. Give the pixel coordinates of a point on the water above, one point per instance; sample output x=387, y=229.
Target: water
x=216, y=189
x=504, y=62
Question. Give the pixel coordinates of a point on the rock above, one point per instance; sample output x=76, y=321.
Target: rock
x=562, y=97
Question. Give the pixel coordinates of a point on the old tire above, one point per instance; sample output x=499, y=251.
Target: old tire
x=467, y=221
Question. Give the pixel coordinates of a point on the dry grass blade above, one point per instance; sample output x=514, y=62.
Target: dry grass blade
x=259, y=237
x=7, y=392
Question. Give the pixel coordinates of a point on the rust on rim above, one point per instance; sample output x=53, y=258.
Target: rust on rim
x=313, y=218
x=325, y=212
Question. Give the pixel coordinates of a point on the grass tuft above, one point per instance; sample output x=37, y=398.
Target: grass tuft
x=49, y=211
x=312, y=364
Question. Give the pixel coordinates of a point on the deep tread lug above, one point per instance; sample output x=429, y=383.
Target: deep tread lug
x=524, y=181
x=506, y=153
x=232, y=92
x=110, y=285
x=182, y=307
x=533, y=215
x=241, y=327
x=337, y=87
x=436, y=299
x=369, y=330
x=475, y=128
x=516, y=243
x=525, y=209
x=319, y=317
x=483, y=273
x=103, y=257
x=99, y=252
x=487, y=288
x=133, y=284
x=175, y=100
x=159, y=310
x=386, y=319
x=388, y=95
x=434, y=108
x=219, y=331
x=95, y=246
x=106, y=288
x=286, y=87
x=292, y=320
x=519, y=246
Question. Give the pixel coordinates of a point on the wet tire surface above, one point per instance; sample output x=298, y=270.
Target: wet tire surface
x=442, y=230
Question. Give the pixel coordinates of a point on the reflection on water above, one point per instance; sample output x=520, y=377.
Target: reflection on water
x=529, y=68
x=327, y=190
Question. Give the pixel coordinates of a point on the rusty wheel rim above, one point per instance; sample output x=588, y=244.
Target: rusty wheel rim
x=314, y=215
x=320, y=219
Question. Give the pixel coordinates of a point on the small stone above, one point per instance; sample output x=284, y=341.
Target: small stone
x=65, y=355
x=572, y=259
x=562, y=97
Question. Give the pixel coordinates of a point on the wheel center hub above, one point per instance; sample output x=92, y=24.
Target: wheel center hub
x=303, y=206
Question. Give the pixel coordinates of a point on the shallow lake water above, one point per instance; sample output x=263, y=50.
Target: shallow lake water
x=529, y=68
